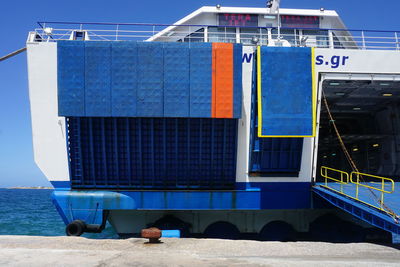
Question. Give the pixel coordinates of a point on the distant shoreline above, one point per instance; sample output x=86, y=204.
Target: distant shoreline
x=29, y=187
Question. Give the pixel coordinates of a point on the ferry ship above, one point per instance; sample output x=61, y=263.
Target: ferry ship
x=231, y=122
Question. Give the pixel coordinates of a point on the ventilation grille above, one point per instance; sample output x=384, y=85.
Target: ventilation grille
x=152, y=153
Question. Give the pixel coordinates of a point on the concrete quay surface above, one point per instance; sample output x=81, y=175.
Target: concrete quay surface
x=78, y=251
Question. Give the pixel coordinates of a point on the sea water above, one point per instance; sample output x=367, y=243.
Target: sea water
x=31, y=212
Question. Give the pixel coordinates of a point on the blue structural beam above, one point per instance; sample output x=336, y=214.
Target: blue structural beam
x=88, y=205
x=361, y=211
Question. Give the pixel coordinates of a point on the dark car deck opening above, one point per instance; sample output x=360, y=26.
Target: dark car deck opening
x=367, y=115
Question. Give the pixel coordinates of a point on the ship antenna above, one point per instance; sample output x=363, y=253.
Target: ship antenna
x=273, y=6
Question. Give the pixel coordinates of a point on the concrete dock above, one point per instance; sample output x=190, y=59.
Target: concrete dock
x=78, y=251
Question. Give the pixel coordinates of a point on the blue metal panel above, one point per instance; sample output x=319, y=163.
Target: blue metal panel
x=98, y=79
x=150, y=80
x=129, y=79
x=277, y=155
x=124, y=79
x=362, y=193
x=237, y=80
x=75, y=164
x=71, y=78
x=170, y=233
x=61, y=184
x=176, y=80
x=148, y=153
x=200, y=79
x=363, y=212
x=88, y=205
x=281, y=195
x=272, y=156
x=286, y=91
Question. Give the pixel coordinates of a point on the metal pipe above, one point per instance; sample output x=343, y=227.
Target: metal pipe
x=363, y=39
x=13, y=54
x=279, y=24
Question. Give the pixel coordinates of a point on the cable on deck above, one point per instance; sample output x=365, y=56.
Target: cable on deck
x=352, y=163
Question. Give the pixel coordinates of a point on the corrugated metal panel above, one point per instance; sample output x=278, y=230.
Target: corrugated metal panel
x=176, y=80
x=128, y=79
x=286, y=92
x=97, y=79
x=223, y=80
x=124, y=78
x=272, y=156
x=237, y=80
x=152, y=153
x=71, y=78
x=277, y=155
x=150, y=94
x=200, y=79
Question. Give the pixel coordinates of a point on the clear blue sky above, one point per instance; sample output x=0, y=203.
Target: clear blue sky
x=18, y=17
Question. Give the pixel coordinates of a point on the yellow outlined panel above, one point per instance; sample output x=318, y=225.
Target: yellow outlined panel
x=313, y=98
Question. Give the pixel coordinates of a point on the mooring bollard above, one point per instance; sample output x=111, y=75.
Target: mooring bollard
x=152, y=233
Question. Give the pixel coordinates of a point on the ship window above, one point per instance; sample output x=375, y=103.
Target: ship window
x=315, y=38
x=38, y=38
x=336, y=43
x=222, y=34
x=79, y=35
x=246, y=35
x=290, y=35
x=195, y=37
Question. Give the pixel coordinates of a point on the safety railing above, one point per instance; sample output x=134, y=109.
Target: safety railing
x=383, y=181
x=358, y=179
x=321, y=38
x=343, y=178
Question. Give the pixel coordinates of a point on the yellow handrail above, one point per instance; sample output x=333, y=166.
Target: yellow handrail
x=354, y=178
x=382, y=189
x=324, y=173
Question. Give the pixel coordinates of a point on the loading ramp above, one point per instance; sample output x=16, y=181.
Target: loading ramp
x=375, y=200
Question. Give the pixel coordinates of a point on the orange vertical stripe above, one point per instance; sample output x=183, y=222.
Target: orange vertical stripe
x=223, y=77
x=213, y=69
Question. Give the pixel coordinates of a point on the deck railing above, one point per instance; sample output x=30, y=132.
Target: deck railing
x=309, y=37
x=351, y=187
x=357, y=177
x=333, y=175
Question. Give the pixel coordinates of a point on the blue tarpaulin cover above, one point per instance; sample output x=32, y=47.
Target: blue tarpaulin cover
x=285, y=92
